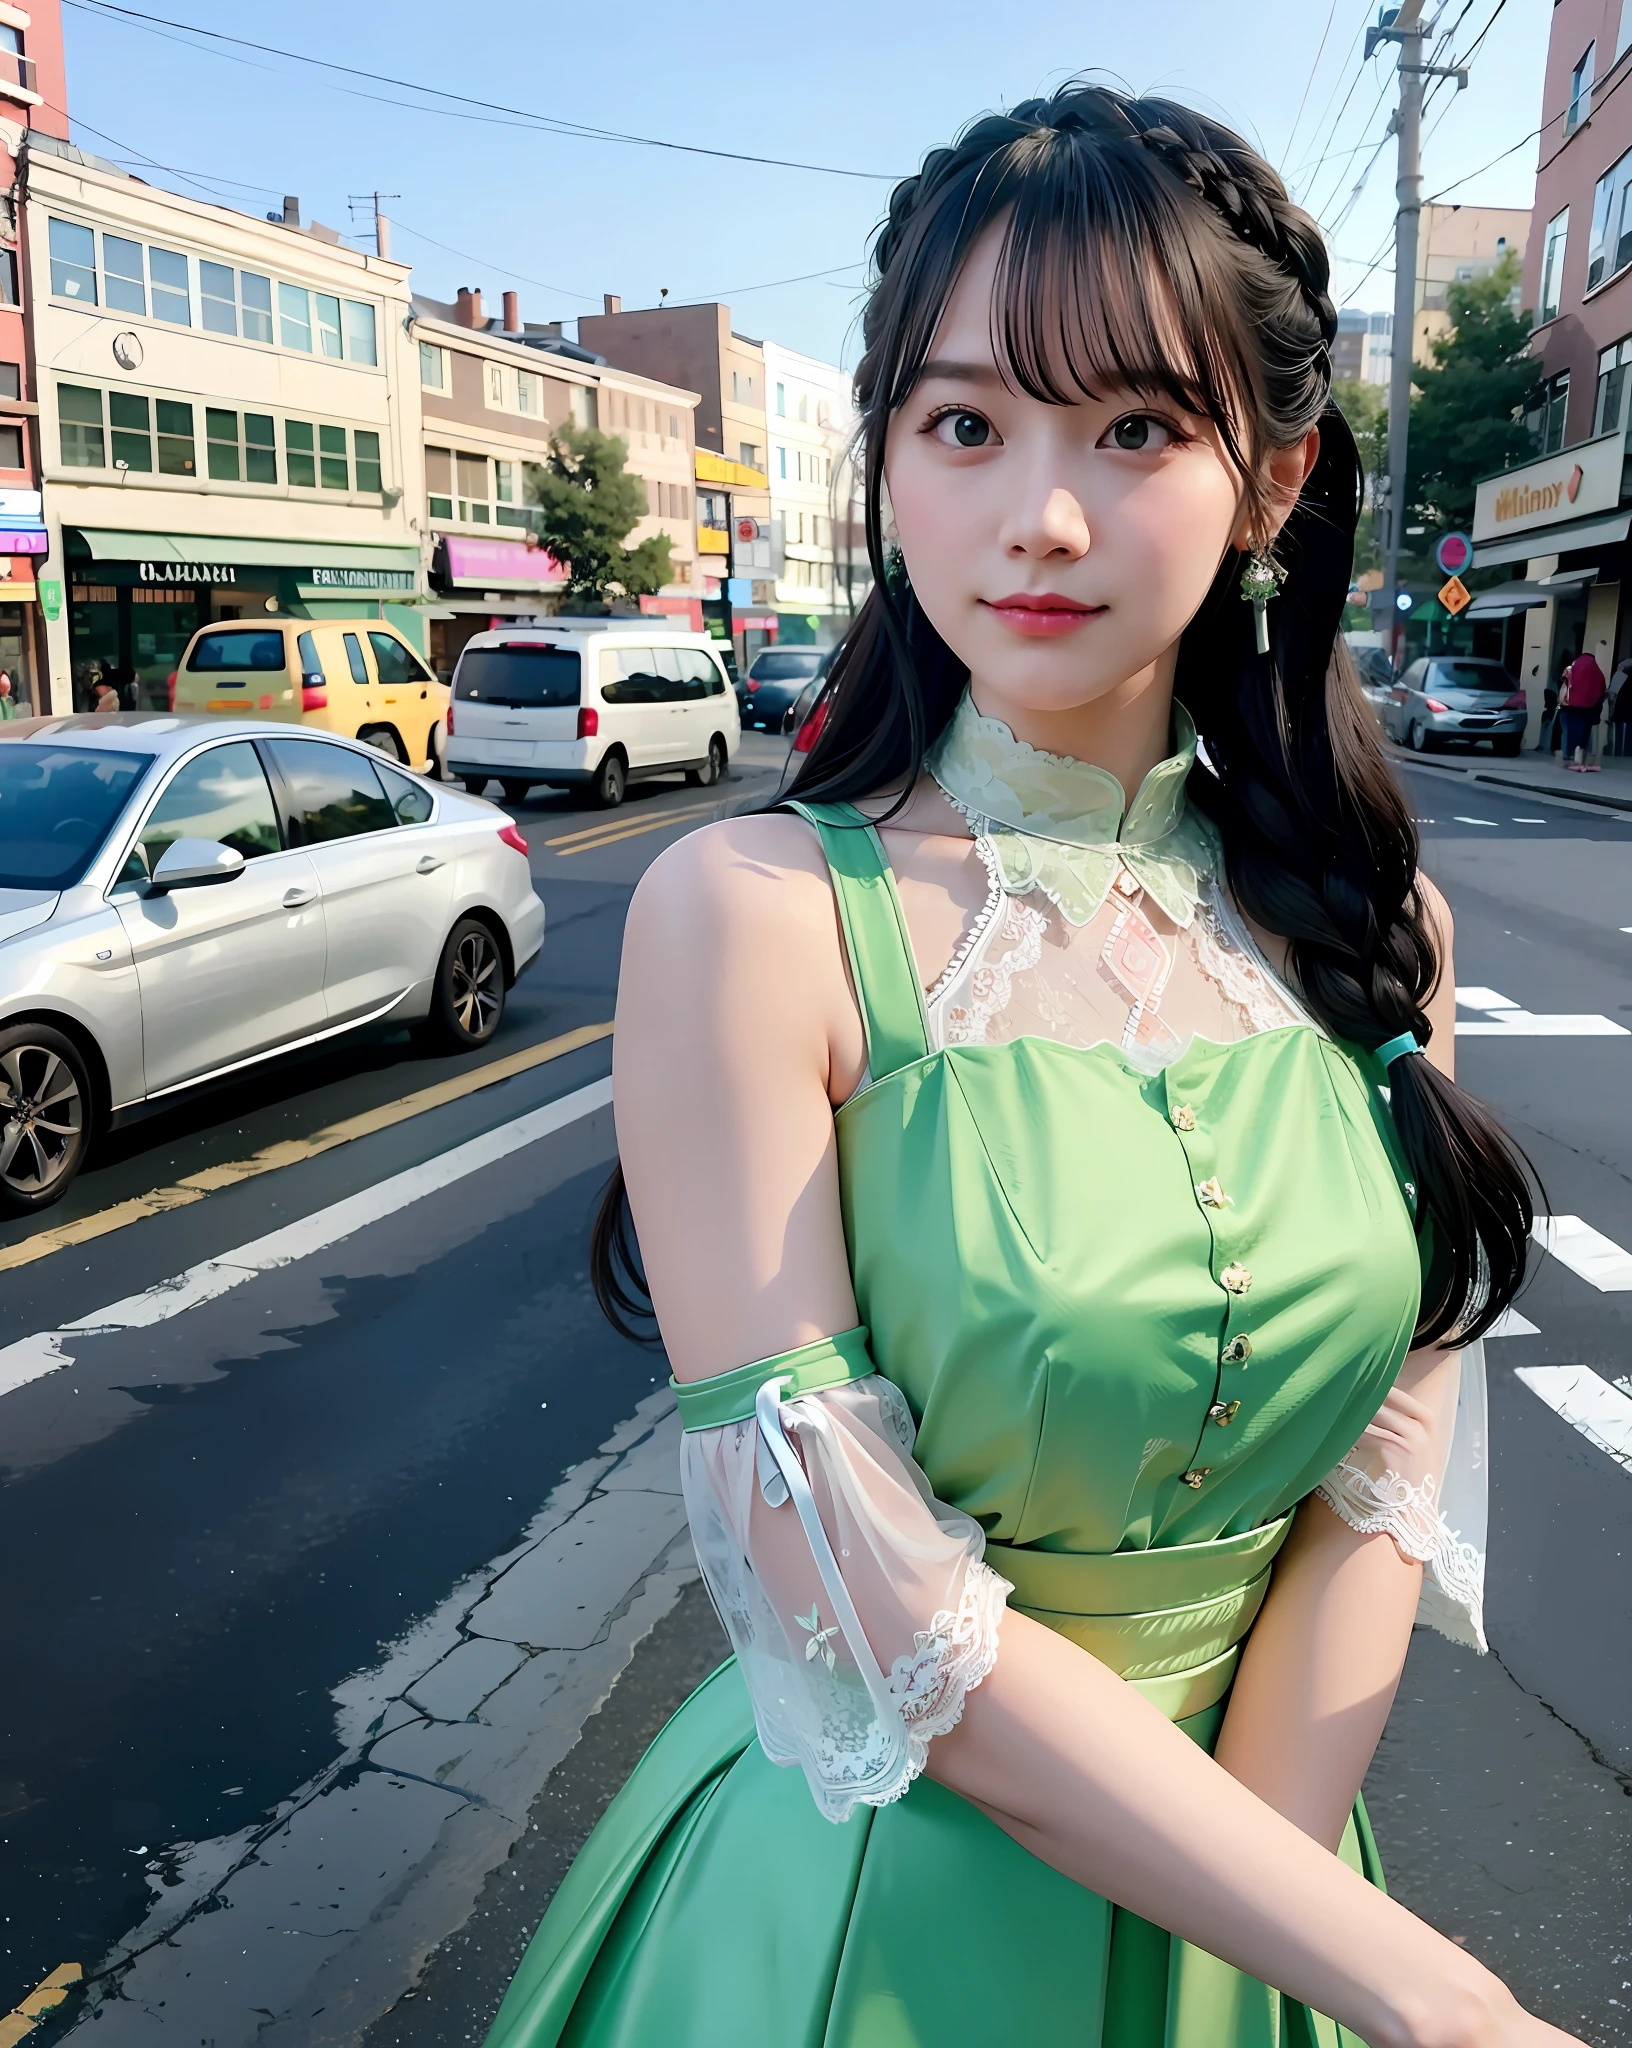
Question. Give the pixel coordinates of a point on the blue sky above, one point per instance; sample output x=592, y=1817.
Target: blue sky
x=499, y=202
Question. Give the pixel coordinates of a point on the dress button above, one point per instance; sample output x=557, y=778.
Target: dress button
x=1184, y=1117
x=1236, y=1277
x=1223, y=1413
x=1237, y=1351
x=1194, y=1478
x=1212, y=1195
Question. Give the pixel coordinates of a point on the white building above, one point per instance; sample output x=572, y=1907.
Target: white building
x=1364, y=348
x=810, y=417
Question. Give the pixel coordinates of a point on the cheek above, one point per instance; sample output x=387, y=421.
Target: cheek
x=1169, y=535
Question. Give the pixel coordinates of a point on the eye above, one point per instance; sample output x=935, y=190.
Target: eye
x=960, y=428
x=1140, y=433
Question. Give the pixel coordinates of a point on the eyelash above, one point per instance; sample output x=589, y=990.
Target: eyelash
x=1179, y=437
x=952, y=412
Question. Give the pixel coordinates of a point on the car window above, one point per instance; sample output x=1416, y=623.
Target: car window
x=1473, y=675
x=221, y=795
x=640, y=675
x=1414, y=675
x=238, y=648
x=57, y=806
x=525, y=675
x=354, y=659
x=784, y=666
x=699, y=670
x=311, y=668
x=395, y=662
x=333, y=793
x=411, y=801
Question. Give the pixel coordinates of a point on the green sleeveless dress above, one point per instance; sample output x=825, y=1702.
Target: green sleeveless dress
x=1044, y=1283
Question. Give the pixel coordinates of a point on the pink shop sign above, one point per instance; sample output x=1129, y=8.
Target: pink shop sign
x=498, y=562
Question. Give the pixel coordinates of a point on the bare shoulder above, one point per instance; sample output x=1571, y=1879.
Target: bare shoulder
x=735, y=876
x=1438, y=913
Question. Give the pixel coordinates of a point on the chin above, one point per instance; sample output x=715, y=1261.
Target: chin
x=1052, y=676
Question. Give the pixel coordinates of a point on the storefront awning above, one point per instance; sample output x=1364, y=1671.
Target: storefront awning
x=1506, y=599
x=1554, y=540
x=244, y=552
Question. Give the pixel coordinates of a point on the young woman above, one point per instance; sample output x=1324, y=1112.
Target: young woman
x=1070, y=1259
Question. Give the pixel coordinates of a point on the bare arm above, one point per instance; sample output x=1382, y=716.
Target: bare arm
x=1323, y=1662
x=736, y=1031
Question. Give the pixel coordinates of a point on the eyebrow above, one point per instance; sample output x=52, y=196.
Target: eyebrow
x=962, y=373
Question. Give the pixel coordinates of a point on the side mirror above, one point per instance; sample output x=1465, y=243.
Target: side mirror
x=195, y=864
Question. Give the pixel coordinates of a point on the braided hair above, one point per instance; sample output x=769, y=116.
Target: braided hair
x=1145, y=246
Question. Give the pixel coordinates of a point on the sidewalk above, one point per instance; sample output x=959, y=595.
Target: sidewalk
x=1540, y=774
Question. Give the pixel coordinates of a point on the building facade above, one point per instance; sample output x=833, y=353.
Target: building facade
x=33, y=102
x=1364, y=347
x=1559, y=523
x=1456, y=245
x=810, y=421
x=218, y=422
x=492, y=392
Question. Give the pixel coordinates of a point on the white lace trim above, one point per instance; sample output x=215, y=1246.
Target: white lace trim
x=1411, y=1516
x=1251, y=989
x=991, y=985
x=977, y=931
x=948, y=1660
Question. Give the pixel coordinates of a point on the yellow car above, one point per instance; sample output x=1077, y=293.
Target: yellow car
x=357, y=677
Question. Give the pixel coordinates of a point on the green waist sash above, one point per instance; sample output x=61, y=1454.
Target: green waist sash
x=1170, y=1621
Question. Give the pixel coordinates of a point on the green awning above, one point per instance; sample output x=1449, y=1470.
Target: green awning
x=106, y=546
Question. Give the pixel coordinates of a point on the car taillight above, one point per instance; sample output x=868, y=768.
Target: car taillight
x=753, y=683
x=811, y=731
x=589, y=722
x=313, y=700
x=1517, y=702
x=1434, y=704
x=170, y=691
x=512, y=837
x=450, y=718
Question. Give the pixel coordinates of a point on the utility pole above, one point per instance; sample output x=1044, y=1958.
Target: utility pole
x=382, y=227
x=1404, y=25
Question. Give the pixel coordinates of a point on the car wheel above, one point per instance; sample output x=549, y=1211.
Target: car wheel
x=475, y=784
x=45, y=1117
x=384, y=741
x=1418, y=736
x=515, y=792
x=467, y=1001
x=611, y=779
x=714, y=771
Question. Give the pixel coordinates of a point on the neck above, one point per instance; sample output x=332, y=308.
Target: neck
x=1127, y=730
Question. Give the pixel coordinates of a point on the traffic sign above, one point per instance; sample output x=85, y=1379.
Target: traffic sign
x=747, y=530
x=1454, y=553
x=1454, y=596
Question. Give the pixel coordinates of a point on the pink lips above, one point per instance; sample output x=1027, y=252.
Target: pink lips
x=1043, y=615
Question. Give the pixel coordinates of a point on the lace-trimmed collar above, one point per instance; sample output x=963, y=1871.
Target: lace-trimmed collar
x=1066, y=827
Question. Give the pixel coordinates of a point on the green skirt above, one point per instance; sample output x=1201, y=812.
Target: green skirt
x=713, y=1907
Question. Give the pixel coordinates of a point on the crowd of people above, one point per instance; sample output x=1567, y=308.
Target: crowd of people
x=1573, y=708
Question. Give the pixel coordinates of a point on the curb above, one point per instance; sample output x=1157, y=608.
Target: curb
x=1548, y=789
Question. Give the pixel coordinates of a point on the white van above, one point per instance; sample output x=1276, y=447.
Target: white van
x=602, y=702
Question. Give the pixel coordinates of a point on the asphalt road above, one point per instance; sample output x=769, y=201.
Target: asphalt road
x=347, y=1576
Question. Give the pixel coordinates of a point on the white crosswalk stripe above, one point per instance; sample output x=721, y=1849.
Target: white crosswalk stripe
x=1595, y=1258
x=1602, y=1413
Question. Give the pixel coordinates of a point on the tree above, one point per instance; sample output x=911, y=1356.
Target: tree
x=1365, y=407
x=1467, y=411
x=588, y=505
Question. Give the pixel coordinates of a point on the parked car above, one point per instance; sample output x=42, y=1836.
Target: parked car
x=181, y=897
x=775, y=678
x=1456, y=697
x=797, y=715
x=590, y=703
x=357, y=677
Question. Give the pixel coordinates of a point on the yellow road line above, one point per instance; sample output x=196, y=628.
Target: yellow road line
x=44, y=1998
x=193, y=1187
x=627, y=823
x=623, y=832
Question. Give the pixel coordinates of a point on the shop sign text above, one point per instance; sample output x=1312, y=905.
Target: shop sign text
x=186, y=572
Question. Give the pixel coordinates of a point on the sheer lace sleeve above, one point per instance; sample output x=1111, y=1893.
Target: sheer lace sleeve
x=1419, y=1475
x=859, y=1606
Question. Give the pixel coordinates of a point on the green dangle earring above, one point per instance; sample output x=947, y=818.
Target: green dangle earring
x=1261, y=579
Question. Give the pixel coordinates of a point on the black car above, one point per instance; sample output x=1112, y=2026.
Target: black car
x=775, y=679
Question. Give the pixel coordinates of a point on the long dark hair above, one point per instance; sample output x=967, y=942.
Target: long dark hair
x=1146, y=246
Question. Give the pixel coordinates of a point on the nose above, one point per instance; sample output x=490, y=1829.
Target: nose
x=1052, y=527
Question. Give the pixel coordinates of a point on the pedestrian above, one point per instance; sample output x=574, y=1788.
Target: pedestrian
x=1002, y=1255
x=1619, y=711
x=1581, y=702
x=104, y=696
x=8, y=700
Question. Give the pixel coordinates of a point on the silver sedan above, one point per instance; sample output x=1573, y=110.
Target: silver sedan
x=1463, y=697
x=181, y=897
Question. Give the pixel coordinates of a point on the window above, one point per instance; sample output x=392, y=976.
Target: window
x=8, y=278
x=355, y=661
x=333, y=469
x=397, y=665
x=804, y=407
x=1552, y=264
x=748, y=454
x=299, y=447
x=504, y=482
x=1547, y=419
x=674, y=426
x=495, y=384
x=295, y=318
x=11, y=448
x=243, y=448
x=366, y=452
x=360, y=343
x=1580, y=92
x=473, y=492
x=73, y=262
x=175, y=435
x=237, y=650
x=328, y=326
x=79, y=410
x=11, y=380
x=1609, y=413
x=122, y=275
x=641, y=675
x=255, y=299
x=432, y=374
x=530, y=394
x=583, y=404
x=167, y=275
x=521, y=676
x=59, y=804
x=1609, y=248
x=782, y=462
x=439, y=481
x=781, y=401
x=131, y=419
x=333, y=793
x=411, y=801
x=217, y=301
x=222, y=795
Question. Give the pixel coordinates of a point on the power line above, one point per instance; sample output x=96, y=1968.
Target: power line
x=492, y=112
x=1320, y=127
x=1331, y=16
x=483, y=263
